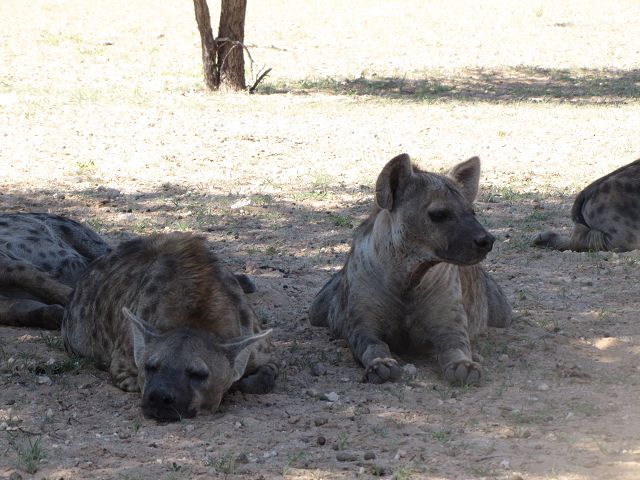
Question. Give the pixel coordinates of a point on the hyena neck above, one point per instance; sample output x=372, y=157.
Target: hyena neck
x=398, y=269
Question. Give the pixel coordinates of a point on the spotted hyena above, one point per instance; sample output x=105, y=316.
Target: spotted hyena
x=411, y=280
x=41, y=258
x=165, y=317
x=606, y=215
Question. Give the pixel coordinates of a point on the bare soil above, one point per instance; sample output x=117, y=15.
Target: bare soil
x=103, y=117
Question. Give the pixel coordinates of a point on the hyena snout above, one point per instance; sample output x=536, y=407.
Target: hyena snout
x=484, y=241
x=164, y=404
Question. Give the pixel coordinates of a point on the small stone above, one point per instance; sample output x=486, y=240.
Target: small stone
x=318, y=369
x=242, y=458
x=4, y=426
x=270, y=454
x=319, y=421
x=410, y=370
x=124, y=435
x=15, y=476
x=400, y=454
x=369, y=456
x=331, y=397
x=505, y=463
x=237, y=424
x=515, y=476
x=312, y=392
x=43, y=380
x=543, y=387
x=51, y=361
x=503, y=358
x=346, y=457
x=48, y=413
x=321, y=440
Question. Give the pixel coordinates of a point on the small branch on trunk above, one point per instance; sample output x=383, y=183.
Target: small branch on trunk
x=258, y=80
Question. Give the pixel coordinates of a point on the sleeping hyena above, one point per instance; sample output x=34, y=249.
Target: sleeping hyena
x=165, y=317
x=411, y=279
x=41, y=258
x=606, y=215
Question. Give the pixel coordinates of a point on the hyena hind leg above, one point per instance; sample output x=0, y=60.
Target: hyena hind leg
x=551, y=240
x=319, y=310
x=30, y=313
x=262, y=380
x=586, y=239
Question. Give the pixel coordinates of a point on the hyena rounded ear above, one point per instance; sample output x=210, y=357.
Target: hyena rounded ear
x=142, y=332
x=467, y=175
x=239, y=350
x=393, y=177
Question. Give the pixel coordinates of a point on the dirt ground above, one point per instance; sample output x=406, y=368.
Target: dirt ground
x=103, y=117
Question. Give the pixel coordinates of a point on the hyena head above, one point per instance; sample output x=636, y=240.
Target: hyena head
x=183, y=371
x=431, y=215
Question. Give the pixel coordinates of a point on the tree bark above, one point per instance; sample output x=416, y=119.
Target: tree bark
x=230, y=49
x=211, y=75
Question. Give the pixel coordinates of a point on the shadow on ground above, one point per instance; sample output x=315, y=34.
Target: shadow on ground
x=512, y=84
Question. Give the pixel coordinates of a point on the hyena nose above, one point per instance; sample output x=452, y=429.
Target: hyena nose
x=161, y=399
x=484, y=241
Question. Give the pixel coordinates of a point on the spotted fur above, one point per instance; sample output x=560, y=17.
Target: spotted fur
x=165, y=317
x=606, y=215
x=411, y=280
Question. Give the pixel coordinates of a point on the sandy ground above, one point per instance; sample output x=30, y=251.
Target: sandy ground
x=103, y=117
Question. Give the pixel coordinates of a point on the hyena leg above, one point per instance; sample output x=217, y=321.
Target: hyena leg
x=319, y=311
x=30, y=313
x=24, y=276
x=451, y=340
x=499, y=309
x=586, y=239
x=374, y=355
x=124, y=373
x=262, y=380
x=551, y=240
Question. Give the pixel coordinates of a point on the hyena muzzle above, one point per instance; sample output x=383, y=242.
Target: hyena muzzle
x=606, y=215
x=41, y=258
x=165, y=317
x=411, y=280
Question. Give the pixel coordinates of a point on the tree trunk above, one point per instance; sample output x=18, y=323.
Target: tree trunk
x=230, y=42
x=211, y=72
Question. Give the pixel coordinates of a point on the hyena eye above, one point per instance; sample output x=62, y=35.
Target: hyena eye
x=438, y=216
x=197, y=375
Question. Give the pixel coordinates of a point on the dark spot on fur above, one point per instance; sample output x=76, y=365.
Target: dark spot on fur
x=600, y=210
x=131, y=247
x=631, y=238
x=8, y=246
x=605, y=187
x=21, y=268
x=47, y=266
x=616, y=218
x=33, y=239
x=33, y=231
x=151, y=289
x=146, y=312
x=245, y=319
x=9, y=269
x=42, y=255
x=65, y=229
x=613, y=231
x=62, y=252
x=4, y=224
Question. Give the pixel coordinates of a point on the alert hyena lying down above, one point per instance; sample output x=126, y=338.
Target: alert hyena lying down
x=166, y=318
x=606, y=215
x=411, y=280
x=41, y=258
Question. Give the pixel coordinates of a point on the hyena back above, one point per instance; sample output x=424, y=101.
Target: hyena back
x=41, y=258
x=165, y=317
x=410, y=280
x=606, y=215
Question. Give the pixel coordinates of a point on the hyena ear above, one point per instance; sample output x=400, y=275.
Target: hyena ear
x=393, y=177
x=239, y=350
x=467, y=175
x=142, y=333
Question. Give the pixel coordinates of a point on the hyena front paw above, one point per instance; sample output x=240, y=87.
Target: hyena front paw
x=382, y=370
x=128, y=384
x=465, y=371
